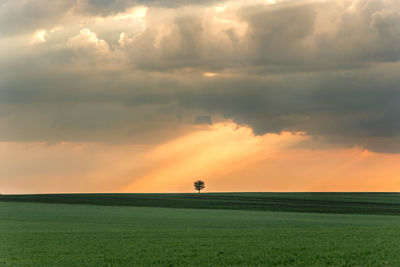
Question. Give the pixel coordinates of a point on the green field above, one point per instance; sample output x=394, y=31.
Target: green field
x=350, y=203
x=41, y=234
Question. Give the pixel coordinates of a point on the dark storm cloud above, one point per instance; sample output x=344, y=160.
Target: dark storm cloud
x=352, y=108
x=349, y=108
x=275, y=35
x=203, y=120
x=329, y=69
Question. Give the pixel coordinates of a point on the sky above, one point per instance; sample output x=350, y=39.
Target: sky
x=151, y=95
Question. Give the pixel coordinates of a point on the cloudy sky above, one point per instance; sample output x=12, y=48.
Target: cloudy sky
x=149, y=95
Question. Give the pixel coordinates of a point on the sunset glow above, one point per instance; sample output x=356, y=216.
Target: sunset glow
x=229, y=157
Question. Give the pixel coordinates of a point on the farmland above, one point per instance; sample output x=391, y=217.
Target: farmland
x=43, y=234
x=350, y=203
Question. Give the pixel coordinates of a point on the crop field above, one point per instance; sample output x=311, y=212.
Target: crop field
x=42, y=234
x=350, y=203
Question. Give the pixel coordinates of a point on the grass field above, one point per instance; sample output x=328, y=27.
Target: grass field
x=40, y=234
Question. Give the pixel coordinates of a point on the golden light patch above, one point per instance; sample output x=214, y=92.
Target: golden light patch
x=136, y=13
x=210, y=74
x=211, y=153
x=38, y=37
x=220, y=8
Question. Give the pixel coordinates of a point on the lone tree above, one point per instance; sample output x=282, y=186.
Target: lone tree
x=199, y=185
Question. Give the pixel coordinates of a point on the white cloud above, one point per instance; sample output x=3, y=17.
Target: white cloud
x=87, y=38
x=38, y=37
x=136, y=14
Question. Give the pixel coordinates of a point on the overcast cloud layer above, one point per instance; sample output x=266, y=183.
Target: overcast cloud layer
x=143, y=71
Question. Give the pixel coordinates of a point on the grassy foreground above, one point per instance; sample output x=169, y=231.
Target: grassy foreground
x=37, y=234
x=351, y=203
